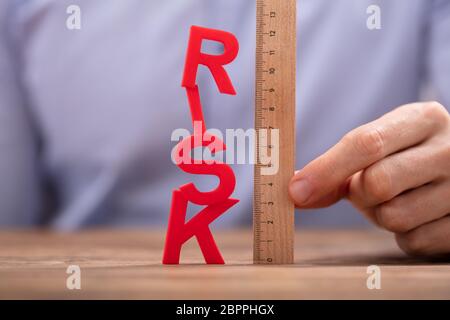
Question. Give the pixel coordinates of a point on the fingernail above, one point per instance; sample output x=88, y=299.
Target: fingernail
x=300, y=191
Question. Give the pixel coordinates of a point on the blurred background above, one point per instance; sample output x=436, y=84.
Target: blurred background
x=87, y=111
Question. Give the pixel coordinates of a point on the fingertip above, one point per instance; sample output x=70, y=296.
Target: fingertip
x=300, y=191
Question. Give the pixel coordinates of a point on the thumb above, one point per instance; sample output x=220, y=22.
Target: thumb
x=325, y=180
x=303, y=192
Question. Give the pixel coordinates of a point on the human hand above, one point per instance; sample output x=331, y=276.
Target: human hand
x=396, y=171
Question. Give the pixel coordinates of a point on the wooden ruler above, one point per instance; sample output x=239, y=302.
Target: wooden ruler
x=273, y=211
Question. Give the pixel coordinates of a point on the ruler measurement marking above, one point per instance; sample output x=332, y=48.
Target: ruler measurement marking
x=275, y=109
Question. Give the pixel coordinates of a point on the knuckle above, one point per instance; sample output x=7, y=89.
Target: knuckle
x=377, y=183
x=368, y=141
x=442, y=157
x=391, y=218
x=435, y=112
x=446, y=155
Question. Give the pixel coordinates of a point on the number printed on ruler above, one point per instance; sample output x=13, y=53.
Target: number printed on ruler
x=273, y=211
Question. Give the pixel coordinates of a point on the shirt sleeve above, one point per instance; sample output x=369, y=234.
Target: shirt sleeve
x=439, y=50
x=19, y=180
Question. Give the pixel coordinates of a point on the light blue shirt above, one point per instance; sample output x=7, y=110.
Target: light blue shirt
x=86, y=115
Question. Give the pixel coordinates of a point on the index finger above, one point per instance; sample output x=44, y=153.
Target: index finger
x=399, y=129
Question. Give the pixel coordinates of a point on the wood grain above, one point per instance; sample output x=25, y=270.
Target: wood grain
x=126, y=265
x=273, y=211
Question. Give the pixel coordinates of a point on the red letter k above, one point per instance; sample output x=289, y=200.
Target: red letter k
x=179, y=232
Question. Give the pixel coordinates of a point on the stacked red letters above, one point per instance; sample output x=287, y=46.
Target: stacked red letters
x=218, y=200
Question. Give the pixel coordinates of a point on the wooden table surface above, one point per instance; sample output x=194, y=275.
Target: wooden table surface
x=127, y=264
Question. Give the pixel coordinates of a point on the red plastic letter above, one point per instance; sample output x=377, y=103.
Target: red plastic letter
x=215, y=63
x=216, y=201
x=179, y=232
